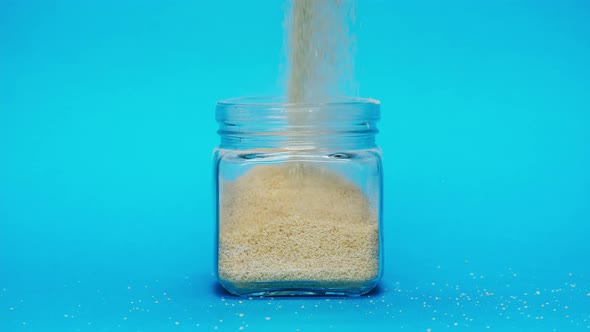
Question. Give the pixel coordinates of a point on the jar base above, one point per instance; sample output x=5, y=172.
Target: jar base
x=299, y=288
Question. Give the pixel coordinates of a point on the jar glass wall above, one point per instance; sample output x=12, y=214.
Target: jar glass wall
x=299, y=197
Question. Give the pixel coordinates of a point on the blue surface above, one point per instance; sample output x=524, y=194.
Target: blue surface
x=107, y=127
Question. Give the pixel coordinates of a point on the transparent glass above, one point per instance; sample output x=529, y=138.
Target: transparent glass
x=298, y=192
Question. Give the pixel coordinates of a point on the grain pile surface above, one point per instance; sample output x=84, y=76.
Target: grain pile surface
x=296, y=222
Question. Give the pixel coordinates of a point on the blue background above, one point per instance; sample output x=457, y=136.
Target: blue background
x=107, y=128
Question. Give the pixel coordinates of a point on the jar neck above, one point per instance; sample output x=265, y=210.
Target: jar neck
x=256, y=123
x=289, y=141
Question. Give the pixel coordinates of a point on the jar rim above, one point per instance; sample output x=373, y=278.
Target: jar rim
x=278, y=110
x=276, y=101
x=273, y=121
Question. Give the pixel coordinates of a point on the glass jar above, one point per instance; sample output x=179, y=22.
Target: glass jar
x=298, y=191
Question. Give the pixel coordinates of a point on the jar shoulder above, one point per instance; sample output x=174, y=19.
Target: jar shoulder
x=253, y=155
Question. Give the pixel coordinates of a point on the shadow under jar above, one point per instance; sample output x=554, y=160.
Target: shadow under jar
x=298, y=190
